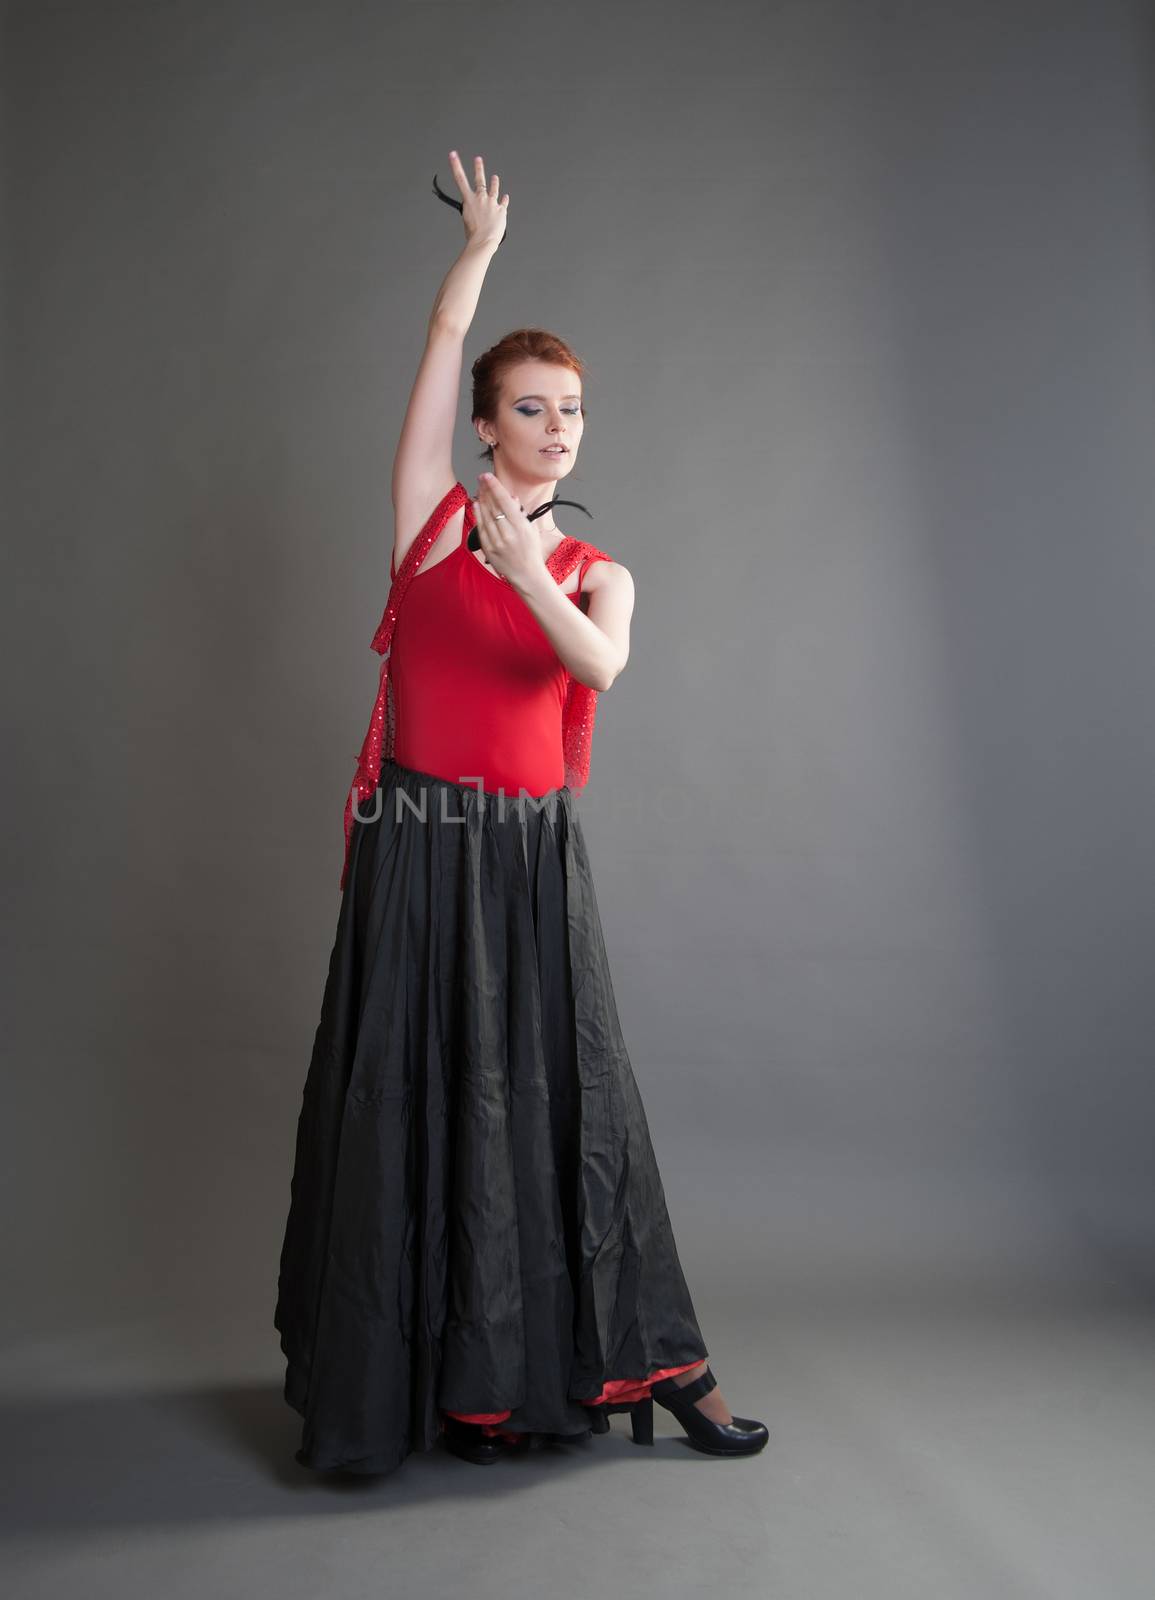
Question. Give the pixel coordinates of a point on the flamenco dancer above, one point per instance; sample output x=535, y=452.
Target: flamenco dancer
x=478, y=1251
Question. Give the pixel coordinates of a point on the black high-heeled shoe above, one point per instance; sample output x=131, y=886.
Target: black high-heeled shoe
x=465, y=1439
x=641, y=1418
x=739, y=1437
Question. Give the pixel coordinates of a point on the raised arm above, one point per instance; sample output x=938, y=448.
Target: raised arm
x=423, y=465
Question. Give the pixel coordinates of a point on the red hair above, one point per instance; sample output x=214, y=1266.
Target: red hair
x=523, y=344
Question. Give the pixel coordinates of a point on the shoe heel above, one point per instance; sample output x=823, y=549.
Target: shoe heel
x=642, y=1421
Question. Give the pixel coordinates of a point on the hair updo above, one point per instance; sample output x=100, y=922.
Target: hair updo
x=523, y=344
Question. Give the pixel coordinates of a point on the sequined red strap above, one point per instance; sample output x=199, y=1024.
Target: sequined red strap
x=377, y=739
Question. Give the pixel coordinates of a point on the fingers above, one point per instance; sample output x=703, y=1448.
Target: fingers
x=490, y=484
x=458, y=172
x=485, y=505
x=492, y=188
x=494, y=498
x=491, y=498
x=488, y=532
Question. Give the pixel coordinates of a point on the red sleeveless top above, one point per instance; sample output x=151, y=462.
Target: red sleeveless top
x=478, y=688
x=470, y=688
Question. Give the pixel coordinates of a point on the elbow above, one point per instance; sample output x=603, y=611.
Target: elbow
x=442, y=325
x=599, y=682
x=606, y=677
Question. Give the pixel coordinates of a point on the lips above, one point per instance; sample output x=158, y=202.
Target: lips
x=554, y=450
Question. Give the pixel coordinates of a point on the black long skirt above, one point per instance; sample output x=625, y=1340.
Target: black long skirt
x=477, y=1222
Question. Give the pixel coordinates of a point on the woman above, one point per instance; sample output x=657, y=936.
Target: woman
x=478, y=1247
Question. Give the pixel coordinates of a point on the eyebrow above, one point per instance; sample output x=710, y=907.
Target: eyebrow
x=520, y=398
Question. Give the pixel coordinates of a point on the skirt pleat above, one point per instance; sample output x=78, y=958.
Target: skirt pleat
x=477, y=1222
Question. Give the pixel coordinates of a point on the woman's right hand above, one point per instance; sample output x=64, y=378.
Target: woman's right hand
x=481, y=211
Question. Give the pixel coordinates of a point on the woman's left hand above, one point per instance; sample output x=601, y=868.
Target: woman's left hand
x=512, y=546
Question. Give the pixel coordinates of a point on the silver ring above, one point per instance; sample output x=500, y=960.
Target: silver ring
x=499, y=516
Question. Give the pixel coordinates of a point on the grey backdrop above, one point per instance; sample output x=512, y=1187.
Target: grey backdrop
x=866, y=293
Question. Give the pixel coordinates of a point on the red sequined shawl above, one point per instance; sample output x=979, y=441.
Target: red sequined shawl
x=580, y=703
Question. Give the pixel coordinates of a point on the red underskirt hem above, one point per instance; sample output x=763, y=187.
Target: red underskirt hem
x=618, y=1391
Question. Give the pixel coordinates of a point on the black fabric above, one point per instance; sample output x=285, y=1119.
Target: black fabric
x=477, y=1219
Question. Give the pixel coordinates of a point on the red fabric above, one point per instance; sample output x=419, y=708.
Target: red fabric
x=618, y=1391
x=455, y=707
x=478, y=689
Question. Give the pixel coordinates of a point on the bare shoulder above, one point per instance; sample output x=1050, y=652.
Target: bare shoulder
x=611, y=576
